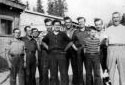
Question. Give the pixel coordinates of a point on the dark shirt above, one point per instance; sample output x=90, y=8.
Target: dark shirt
x=79, y=36
x=30, y=45
x=56, y=42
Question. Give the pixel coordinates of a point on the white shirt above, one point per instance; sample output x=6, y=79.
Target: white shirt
x=16, y=46
x=100, y=34
x=115, y=34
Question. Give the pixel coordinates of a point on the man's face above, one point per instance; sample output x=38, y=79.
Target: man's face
x=17, y=33
x=48, y=26
x=57, y=26
x=81, y=22
x=29, y=31
x=116, y=19
x=35, y=33
x=68, y=23
x=99, y=25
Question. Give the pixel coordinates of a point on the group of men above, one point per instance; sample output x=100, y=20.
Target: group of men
x=93, y=46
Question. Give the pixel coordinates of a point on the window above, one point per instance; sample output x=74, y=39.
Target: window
x=6, y=27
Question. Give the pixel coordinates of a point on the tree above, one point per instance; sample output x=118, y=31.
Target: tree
x=39, y=7
x=27, y=5
x=57, y=7
x=50, y=7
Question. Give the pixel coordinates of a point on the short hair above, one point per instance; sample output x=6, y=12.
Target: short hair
x=25, y=28
x=47, y=20
x=81, y=18
x=15, y=29
x=67, y=18
x=92, y=28
x=34, y=29
x=56, y=20
x=116, y=13
x=98, y=19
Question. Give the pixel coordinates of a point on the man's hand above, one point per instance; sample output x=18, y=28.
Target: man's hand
x=24, y=59
x=24, y=64
x=74, y=47
x=10, y=65
x=68, y=46
x=45, y=45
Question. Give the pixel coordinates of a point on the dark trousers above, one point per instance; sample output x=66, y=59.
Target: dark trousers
x=58, y=60
x=30, y=70
x=103, y=57
x=43, y=66
x=17, y=68
x=71, y=55
x=93, y=63
x=80, y=60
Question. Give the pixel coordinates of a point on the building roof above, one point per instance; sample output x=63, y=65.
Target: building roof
x=13, y=4
x=42, y=14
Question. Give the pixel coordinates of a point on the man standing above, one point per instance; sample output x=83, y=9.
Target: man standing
x=57, y=42
x=116, y=48
x=71, y=54
x=16, y=58
x=103, y=48
x=78, y=39
x=92, y=57
x=42, y=58
x=48, y=24
x=31, y=58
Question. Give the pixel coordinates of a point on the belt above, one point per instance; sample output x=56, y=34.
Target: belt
x=13, y=55
x=116, y=45
x=92, y=53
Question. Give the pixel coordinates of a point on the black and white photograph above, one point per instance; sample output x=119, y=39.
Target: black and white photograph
x=62, y=42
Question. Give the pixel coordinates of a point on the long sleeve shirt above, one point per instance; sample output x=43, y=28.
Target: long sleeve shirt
x=79, y=36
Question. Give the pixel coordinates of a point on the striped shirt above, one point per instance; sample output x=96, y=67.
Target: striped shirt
x=92, y=45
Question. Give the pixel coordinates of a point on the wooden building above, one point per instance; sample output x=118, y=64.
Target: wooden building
x=9, y=16
x=9, y=19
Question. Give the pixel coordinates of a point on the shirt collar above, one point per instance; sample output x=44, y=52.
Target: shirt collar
x=29, y=38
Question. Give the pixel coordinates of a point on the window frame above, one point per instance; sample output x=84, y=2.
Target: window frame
x=6, y=18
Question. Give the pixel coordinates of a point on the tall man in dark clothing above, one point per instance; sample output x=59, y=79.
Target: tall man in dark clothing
x=78, y=39
x=44, y=60
x=43, y=64
x=57, y=42
x=31, y=58
x=71, y=54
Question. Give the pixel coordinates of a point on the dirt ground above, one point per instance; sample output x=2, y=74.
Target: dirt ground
x=3, y=75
